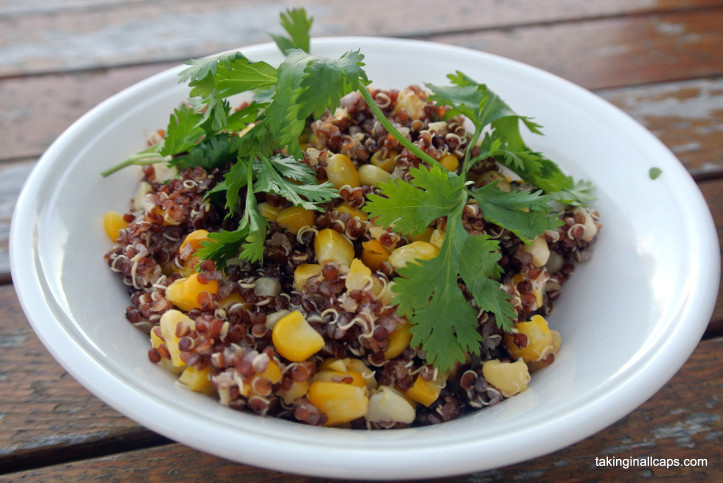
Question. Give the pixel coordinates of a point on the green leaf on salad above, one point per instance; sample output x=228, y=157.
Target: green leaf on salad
x=297, y=25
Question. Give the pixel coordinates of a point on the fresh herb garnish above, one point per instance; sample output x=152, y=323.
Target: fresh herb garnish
x=654, y=172
x=267, y=157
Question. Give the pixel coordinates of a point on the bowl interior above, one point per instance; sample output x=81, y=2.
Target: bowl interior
x=628, y=318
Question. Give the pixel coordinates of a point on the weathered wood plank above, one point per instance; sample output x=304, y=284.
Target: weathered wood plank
x=613, y=52
x=687, y=115
x=676, y=423
x=141, y=32
x=44, y=411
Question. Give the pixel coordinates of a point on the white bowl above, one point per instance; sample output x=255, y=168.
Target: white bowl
x=629, y=318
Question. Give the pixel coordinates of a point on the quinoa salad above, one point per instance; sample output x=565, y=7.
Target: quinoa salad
x=306, y=298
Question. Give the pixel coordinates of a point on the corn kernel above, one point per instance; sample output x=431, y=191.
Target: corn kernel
x=340, y=402
x=398, y=341
x=539, y=250
x=386, y=163
x=424, y=391
x=198, y=380
x=350, y=365
x=374, y=254
x=388, y=404
x=113, y=223
x=503, y=182
x=169, y=321
x=418, y=250
x=359, y=276
x=371, y=175
x=509, y=378
x=546, y=361
x=538, y=338
x=229, y=300
x=192, y=242
x=426, y=235
x=408, y=100
x=184, y=292
x=267, y=211
x=332, y=246
x=304, y=272
x=294, y=218
x=449, y=161
x=378, y=231
x=354, y=212
x=437, y=237
x=295, y=391
x=341, y=171
x=347, y=377
x=295, y=339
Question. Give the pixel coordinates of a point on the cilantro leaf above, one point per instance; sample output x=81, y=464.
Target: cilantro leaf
x=581, y=193
x=183, y=131
x=412, y=205
x=443, y=321
x=297, y=25
x=278, y=175
x=222, y=246
x=525, y=214
x=306, y=86
x=209, y=153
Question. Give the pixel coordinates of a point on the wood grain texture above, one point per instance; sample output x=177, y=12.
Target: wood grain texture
x=675, y=423
x=43, y=410
x=612, y=52
x=122, y=33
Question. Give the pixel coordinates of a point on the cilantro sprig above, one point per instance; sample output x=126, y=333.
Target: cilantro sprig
x=267, y=157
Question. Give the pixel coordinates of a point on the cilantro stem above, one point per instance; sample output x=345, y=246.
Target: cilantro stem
x=140, y=159
x=394, y=131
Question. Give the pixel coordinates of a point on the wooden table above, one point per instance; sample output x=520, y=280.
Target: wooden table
x=661, y=61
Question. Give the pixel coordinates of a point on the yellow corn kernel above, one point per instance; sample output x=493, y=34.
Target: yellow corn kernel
x=387, y=293
x=417, y=250
x=449, y=161
x=437, y=237
x=388, y=404
x=546, y=361
x=539, y=250
x=332, y=246
x=294, y=218
x=350, y=365
x=386, y=163
x=229, y=300
x=169, y=321
x=198, y=380
x=113, y=223
x=340, y=402
x=347, y=377
x=503, y=182
x=374, y=254
x=267, y=211
x=398, y=341
x=304, y=272
x=341, y=171
x=377, y=232
x=371, y=175
x=294, y=392
x=424, y=391
x=426, y=235
x=272, y=373
x=295, y=339
x=359, y=276
x=192, y=242
x=184, y=292
x=354, y=212
x=411, y=103
x=539, y=340
x=509, y=378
